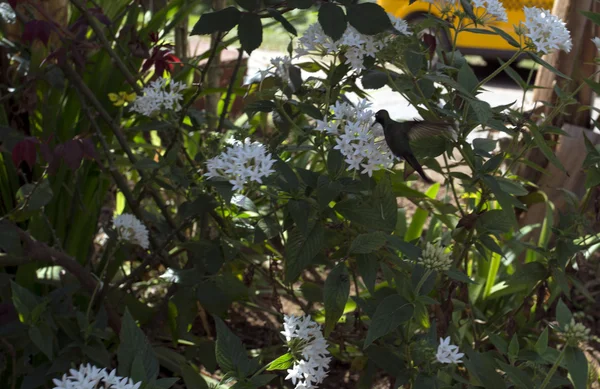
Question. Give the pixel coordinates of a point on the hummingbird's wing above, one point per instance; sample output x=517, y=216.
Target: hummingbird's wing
x=424, y=129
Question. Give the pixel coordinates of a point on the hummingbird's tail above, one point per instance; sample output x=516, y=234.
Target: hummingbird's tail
x=414, y=163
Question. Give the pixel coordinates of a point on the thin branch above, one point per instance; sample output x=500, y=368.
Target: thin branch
x=236, y=69
x=40, y=251
x=211, y=57
x=107, y=46
x=78, y=82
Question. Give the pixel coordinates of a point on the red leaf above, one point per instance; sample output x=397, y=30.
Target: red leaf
x=37, y=29
x=24, y=151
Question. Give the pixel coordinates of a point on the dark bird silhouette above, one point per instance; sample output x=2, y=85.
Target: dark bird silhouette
x=398, y=136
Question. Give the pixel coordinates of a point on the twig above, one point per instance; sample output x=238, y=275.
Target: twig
x=230, y=89
x=89, y=95
x=209, y=62
x=40, y=251
x=106, y=44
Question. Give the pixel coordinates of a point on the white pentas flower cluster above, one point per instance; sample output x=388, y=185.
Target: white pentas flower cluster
x=361, y=143
x=448, y=353
x=357, y=46
x=242, y=163
x=546, y=31
x=91, y=377
x=160, y=94
x=494, y=9
x=434, y=257
x=306, y=343
x=576, y=333
x=132, y=230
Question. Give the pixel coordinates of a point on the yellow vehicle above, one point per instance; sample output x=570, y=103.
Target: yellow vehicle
x=488, y=46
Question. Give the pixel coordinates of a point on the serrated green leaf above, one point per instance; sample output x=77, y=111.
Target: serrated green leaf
x=390, y=313
x=368, y=243
x=301, y=250
x=335, y=294
x=229, y=350
x=134, y=344
x=223, y=20
x=367, y=268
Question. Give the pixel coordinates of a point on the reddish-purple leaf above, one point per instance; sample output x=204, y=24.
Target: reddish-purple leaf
x=89, y=150
x=37, y=29
x=46, y=152
x=13, y=3
x=73, y=153
x=24, y=151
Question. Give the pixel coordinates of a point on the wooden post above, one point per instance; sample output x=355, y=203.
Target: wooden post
x=578, y=64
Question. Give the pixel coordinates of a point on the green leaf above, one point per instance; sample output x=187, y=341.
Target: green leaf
x=229, y=350
x=368, y=18
x=511, y=41
x=249, y=5
x=385, y=359
x=467, y=78
x=282, y=363
x=490, y=244
x=336, y=292
x=578, y=367
x=593, y=16
x=301, y=4
x=481, y=365
x=517, y=376
x=368, y=243
x=482, y=110
x=513, y=347
x=468, y=8
x=385, y=203
x=390, y=313
x=134, y=344
x=540, y=142
x=262, y=380
x=547, y=65
x=250, y=32
x=563, y=314
x=24, y=301
x=301, y=250
x=223, y=20
x=42, y=337
x=374, y=79
x=494, y=221
x=459, y=276
x=335, y=163
x=415, y=229
x=367, y=268
x=192, y=378
x=281, y=19
x=542, y=343
x=333, y=20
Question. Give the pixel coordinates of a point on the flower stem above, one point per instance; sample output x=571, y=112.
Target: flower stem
x=422, y=281
x=500, y=69
x=553, y=369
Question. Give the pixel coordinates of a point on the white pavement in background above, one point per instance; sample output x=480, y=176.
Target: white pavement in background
x=385, y=98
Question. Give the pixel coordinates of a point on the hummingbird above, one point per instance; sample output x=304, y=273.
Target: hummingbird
x=398, y=136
